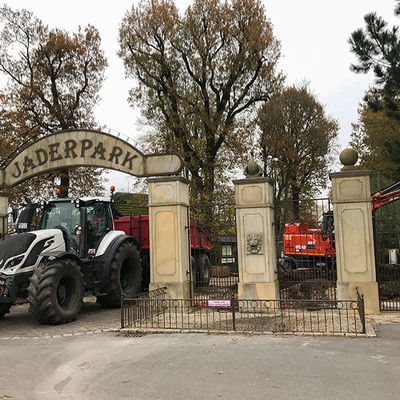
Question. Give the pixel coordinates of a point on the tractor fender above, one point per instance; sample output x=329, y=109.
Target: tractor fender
x=108, y=240
x=61, y=254
x=106, y=258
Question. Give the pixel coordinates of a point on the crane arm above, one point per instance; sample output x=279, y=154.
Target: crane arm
x=385, y=196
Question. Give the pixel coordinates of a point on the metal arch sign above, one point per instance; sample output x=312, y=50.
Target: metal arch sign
x=74, y=148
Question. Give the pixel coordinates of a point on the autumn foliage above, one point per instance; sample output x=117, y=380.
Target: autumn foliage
x=200, y=77
x=53, y=82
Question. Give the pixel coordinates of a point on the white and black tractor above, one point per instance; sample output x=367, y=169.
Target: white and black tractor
x=76, y=250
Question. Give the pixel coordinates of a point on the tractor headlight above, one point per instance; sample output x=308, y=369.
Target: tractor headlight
x=13, y=262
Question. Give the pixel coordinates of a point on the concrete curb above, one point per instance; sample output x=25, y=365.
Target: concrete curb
x=70, y=334
x=370, y=333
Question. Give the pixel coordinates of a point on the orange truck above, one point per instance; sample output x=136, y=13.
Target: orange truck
x=305, y=247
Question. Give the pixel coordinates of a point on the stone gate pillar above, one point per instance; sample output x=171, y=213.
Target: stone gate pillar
x=169, y=239
x=256, y=236
x=354, y=240
x=3, y=212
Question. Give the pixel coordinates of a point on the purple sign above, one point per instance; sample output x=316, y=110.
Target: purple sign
x=219, y=303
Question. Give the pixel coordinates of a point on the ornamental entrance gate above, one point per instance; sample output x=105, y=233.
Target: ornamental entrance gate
x=77, y=148
x=306, y=249
x=387, y=244
x=213, y=251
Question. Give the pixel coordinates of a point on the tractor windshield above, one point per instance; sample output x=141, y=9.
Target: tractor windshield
x=61, y=215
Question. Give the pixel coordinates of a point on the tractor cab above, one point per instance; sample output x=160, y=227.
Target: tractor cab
x=83, y=222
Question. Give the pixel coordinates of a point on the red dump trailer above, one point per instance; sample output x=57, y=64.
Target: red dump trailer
x=200, y=243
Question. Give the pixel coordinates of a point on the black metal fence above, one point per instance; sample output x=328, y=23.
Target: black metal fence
x=314, y=283
x=213, y=250
x=244, y=316
x=387, y=244
x=217, y=287
x=306, y=249
x=141, y=307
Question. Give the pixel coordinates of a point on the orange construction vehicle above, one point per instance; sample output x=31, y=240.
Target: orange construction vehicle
x=304, y=247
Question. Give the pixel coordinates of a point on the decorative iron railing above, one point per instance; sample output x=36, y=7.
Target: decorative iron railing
x=247, y=316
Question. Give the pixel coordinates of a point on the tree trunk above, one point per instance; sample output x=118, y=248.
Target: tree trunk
x=296, y=202
x=64, y=185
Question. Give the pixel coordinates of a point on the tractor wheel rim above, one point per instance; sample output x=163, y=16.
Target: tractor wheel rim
x=61, y=294
x=124, y=282
x=127, y=276
x=65, y=292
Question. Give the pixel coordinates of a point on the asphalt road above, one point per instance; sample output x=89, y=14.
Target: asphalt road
x=197, y=366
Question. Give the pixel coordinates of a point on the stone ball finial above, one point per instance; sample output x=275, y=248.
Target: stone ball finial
x=348, y=157
x=253, y=170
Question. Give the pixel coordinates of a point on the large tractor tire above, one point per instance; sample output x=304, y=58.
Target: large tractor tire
x=145, y=270
x=55, y=293
x=204, y=265
x=125, y=276
x=4, y=309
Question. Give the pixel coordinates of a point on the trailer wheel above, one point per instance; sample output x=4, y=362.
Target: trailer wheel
x=55, y=292
x=193, y=271
x=288, y=265
x=125, y=276
x=204, y=266
x=4, y=309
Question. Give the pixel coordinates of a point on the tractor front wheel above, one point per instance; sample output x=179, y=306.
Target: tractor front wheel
x=4, y=309
x=125, y=276
x=55, y=293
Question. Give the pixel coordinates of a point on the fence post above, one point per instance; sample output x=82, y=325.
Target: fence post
x=361, y=311
x=3, y=213
x=169, y=244
x=256, y=237
x=355, y=255
x=122, y=312
x=233, y=306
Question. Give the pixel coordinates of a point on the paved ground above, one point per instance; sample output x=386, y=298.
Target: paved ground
x=65, y=362
x=198, y=366
x=92, y=319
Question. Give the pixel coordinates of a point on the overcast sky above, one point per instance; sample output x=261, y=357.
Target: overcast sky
x=314, y=43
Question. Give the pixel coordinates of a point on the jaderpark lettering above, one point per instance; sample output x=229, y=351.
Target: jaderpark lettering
x=72, y=149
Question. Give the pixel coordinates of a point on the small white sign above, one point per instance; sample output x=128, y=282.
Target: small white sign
x=230, y=260
x=219, y=303
x=23, y=225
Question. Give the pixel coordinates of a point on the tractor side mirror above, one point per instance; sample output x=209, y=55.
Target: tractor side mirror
x=14, y=214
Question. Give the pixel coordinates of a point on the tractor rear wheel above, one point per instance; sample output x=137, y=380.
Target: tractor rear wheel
x=55, y=293
x=4, y=309
x=125, y=276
